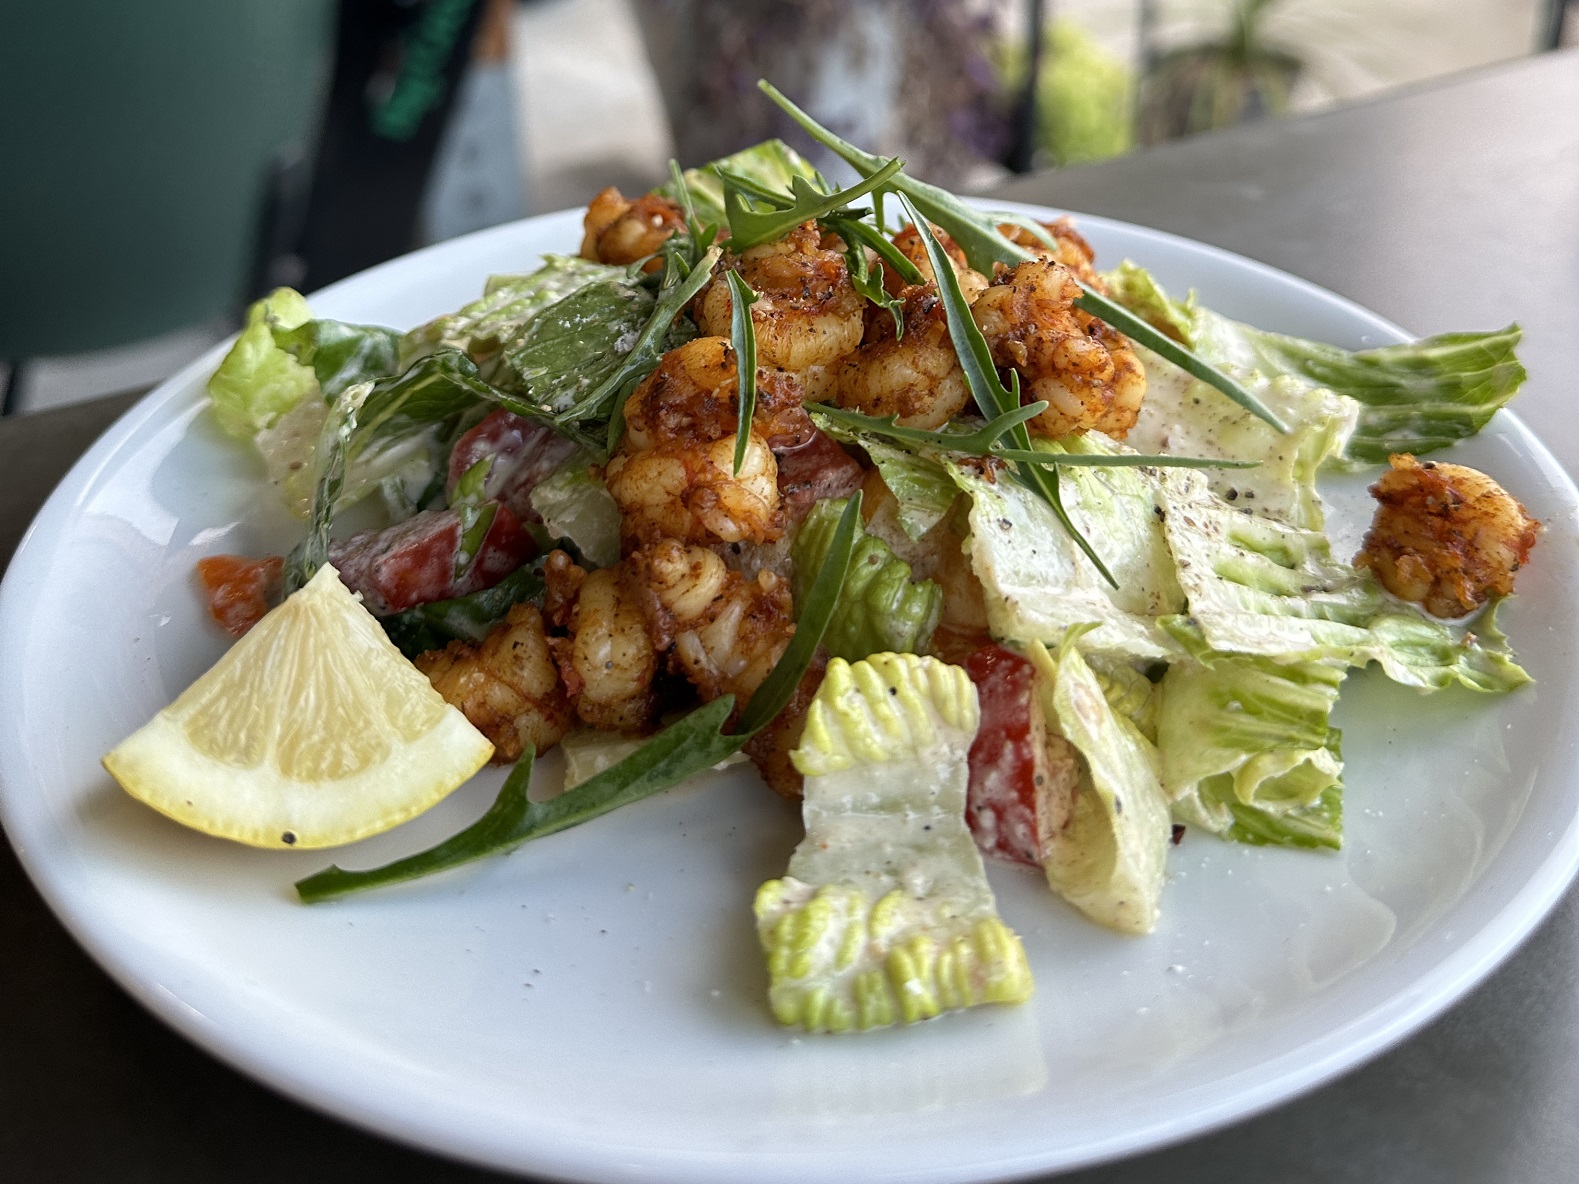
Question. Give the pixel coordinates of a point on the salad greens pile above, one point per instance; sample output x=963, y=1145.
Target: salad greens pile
x=1176, y=590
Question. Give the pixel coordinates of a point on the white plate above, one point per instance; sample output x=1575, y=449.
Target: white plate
x=592, y=1006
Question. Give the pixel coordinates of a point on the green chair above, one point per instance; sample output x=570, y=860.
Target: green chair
x=139, y=140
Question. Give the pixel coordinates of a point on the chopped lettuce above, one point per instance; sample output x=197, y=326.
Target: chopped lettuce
x=1183, y=416
x=575, y=504
x=1037, y=582
x=881, y=608
x=1404, y=398
x=1259, y=587
x=1247, y=749
x=772, y=165
x=1108, y=860
x=922, y=486
x=482, y=328
x=885, y=915
x=589, y=752
x=340, y=354
x=569, y=349
x=258, y=381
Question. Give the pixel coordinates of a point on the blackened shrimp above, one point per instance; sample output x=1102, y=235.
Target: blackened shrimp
x=673, y=475
x=1085, y=370
x=916, y=377
x=972, y=283
x=620, y=230
x=726, y=631
x=1445, y=536
x=807, y=315
x=607, y=660
x=507, y=686
x=1072, y=250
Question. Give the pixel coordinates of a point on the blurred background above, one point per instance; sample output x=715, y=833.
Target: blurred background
x=170, y=160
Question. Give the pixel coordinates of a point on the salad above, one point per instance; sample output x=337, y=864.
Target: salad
x=969, y=547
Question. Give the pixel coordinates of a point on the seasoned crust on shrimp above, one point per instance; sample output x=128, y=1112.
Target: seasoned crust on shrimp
x=726, y=631
x=691, y=399
x=507, y=685
x=972, y=283
x=1073, y=251
x=1085, y=370
x=1445, y=536
x=673, y=476
x=807, y=315
x=620, y=230
x=607, y=661
x=916, y=377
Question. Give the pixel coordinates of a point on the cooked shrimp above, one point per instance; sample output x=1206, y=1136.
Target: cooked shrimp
x=608, y=662
x=1084, y=369
x=673, y=476
x=807, y=316
x=916, y=377
x=1072, y=251
x=727, y=631
x=972, y=283
x=1446, y=537
x=508, y=685
x=619, y=230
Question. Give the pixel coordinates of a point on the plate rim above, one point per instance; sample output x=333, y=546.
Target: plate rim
x=1361, y=1038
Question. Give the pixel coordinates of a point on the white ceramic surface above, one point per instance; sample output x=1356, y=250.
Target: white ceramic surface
x=592, y=1007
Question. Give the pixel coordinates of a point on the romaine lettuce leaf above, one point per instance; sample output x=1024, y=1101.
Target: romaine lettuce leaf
x=434, y=625
x=575, y=504
x=340, y=354
x=481, y=328
x=771, y=165
x=1036, y=580
x=881, y=608
x=570, y=347
x=1247, y=749
x=258, y=381
x=885, y=915
x=1259, y=587
x=1108, y=860
x=1411, y=398
x=921, y=486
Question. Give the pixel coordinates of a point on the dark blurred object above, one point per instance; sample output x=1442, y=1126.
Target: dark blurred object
x=1214, y=84
x=396, y=72
x=1553, y=19
x=138, y=141
x=1023, y=126
x=907, y=78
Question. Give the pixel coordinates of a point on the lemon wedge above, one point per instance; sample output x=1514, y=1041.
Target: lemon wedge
x=313, y=730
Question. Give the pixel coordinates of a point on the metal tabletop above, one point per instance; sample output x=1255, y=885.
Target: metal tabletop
x=1450, y=207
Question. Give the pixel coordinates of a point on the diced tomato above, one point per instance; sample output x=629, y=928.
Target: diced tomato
x=1007, y=757
x=815, y=471
x=523, y=452
x=413, y=562
x=239, y=590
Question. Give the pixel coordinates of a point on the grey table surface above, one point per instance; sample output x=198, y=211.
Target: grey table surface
x=1452, y=207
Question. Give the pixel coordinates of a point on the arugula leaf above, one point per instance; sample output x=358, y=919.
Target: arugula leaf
x=748, y=227
x=341, y=354
x=693, y=745
x=983, y=442
x=743, y=336
x=975, y=358
x=434, y=625
x=977, y=234
x=769, y=165
x=863, y=277
x=701, y=238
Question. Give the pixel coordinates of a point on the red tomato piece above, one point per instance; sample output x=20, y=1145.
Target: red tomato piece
x=523, y=452
x=1007, y=772
x=239, y=590
x=413, y=562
